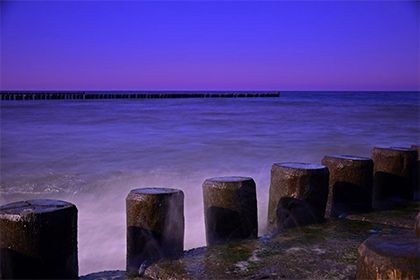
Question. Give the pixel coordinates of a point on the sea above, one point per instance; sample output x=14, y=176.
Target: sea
x=93, y=152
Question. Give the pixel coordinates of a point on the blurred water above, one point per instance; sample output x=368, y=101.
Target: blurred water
x=93, y=152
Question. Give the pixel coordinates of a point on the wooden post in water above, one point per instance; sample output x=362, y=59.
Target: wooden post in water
x=394, y=171
x=155, y=226
x=298, y=195
x=38, y=240
x=350, y=184
x=230, y=209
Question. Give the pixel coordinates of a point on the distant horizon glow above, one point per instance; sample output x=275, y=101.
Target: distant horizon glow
x=210, y=45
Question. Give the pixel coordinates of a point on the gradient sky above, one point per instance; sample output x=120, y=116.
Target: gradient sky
x=210, y=45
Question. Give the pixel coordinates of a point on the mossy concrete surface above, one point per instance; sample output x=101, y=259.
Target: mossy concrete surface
x=319, y=251
x=401, y=215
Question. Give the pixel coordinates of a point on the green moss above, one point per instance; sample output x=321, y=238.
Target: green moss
x=402, y=215
x=322, y=251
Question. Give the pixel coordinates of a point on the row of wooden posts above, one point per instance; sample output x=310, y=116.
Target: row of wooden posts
x=38, y=238
x=84, y=95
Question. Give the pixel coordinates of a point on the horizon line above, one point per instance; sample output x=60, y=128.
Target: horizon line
x=196, y=90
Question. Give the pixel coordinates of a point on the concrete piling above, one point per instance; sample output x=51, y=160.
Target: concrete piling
x=388, y=257
x=416, y=180
x=38, y=240
x=350, y=184
x=230, y=209
x=393, y=175
x=298, y=195
x=155, y=226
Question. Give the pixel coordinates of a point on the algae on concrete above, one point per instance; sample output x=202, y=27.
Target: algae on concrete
x=319, y=251
x=401, y=215
x=322, y=251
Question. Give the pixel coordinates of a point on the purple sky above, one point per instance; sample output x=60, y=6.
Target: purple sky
x=210, y=45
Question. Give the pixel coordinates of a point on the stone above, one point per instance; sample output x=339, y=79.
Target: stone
x=388, y=257
x=350, y=184
x=298, y=195
x=38, y=240
x=230, y=209
x=109, y=275
x=393, y=175
x=155, y=227
x=317, y=251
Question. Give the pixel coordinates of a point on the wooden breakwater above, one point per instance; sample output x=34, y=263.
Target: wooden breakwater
x=70, y=95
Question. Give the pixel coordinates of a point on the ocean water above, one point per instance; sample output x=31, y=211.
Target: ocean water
x=93, y=152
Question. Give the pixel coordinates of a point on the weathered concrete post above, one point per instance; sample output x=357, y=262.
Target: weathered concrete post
x=155, y=226
x=230, y=209
x=298, y=195
x=38, y=240
x=350, y=184
x=416, y=181
x=393, y=174
x=388, y=257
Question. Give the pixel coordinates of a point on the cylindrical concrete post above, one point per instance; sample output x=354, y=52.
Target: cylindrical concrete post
x=230, y=209
x=393, y=174
x=350, y=184
x=155, y=226
x=416, y=180
x=298, y=195
x=388, y=257
x=38, y=240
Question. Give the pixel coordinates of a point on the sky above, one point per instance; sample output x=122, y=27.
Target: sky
x=209, y=45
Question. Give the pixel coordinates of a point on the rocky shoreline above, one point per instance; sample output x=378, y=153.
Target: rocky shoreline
x=318, y=251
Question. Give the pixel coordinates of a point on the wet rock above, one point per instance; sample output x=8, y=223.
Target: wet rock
x=105, y=275
x=298, y=195
x=350, y=184
x=155, y=227
x=394, y=171
x=317, y=251
x=389, y=257
x=112, y=275
x=230, y=209
x=38, y=240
